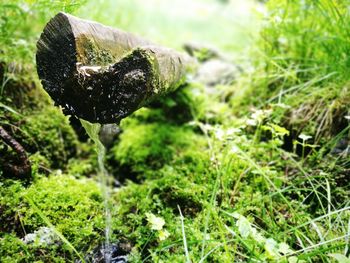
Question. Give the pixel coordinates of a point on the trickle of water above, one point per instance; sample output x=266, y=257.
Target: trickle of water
x=93, y=129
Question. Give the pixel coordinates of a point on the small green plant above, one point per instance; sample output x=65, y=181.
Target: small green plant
x=157, y=223
x=304, y=143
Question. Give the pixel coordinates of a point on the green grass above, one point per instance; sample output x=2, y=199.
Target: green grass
x=243, y=174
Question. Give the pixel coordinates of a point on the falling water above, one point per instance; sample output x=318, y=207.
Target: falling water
x=93, y=130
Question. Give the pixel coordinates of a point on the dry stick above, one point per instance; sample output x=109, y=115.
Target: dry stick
x=24, y=167
x=102, y=74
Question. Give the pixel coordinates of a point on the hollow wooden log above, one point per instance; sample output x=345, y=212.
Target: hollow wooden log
x=102, y=74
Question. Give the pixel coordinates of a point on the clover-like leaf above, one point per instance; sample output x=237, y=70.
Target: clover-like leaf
x=155, y=222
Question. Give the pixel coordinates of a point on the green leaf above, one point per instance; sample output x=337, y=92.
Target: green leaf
x=271, y=248
x=163, y=234
x=244, y=226
x=8, y=109
x=284, y=248
x=280, y=131
x=294, y=259
x=156, y=223
x=340, y=258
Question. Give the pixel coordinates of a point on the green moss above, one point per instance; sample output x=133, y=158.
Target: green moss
x=67, y=202
x=44, y=131
x=182, y=105
x=91, y=54
x=81, y=167
x=48, y=131
x=160, y=197
x=203, y=54
x=148, y=147
x=179, y=107
x=10, y=201
x=12, y=249
x=72, y=206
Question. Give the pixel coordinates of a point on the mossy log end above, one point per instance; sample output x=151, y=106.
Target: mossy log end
x=102, y=74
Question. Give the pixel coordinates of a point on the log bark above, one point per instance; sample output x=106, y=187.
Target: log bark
x=102, y=74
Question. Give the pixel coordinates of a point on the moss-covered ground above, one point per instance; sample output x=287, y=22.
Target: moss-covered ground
x=255, y=171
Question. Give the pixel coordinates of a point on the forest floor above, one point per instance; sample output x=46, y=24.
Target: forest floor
x=254, y=169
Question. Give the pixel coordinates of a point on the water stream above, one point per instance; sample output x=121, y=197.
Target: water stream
x=93, y=129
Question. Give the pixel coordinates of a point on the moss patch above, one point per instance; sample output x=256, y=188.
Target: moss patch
x=72, y=206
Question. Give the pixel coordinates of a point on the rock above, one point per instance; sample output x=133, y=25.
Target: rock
x=42, y=237
x=115, y=253
x=202, y=52
x=215, y=68
x=342, y=148
x=108, y=133
x=215, y=71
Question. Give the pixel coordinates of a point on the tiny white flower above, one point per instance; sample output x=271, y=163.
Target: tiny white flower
x=219, y=134
x=232, y=131
x=282, y=105
x=259, y=116
x=278, y=19
x=282, y=40
x=234, y=149
x=251, y=122
x=304, y=137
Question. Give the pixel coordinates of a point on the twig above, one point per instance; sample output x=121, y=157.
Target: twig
x=23, y=168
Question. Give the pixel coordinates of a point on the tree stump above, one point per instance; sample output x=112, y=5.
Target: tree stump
x=102, y=74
